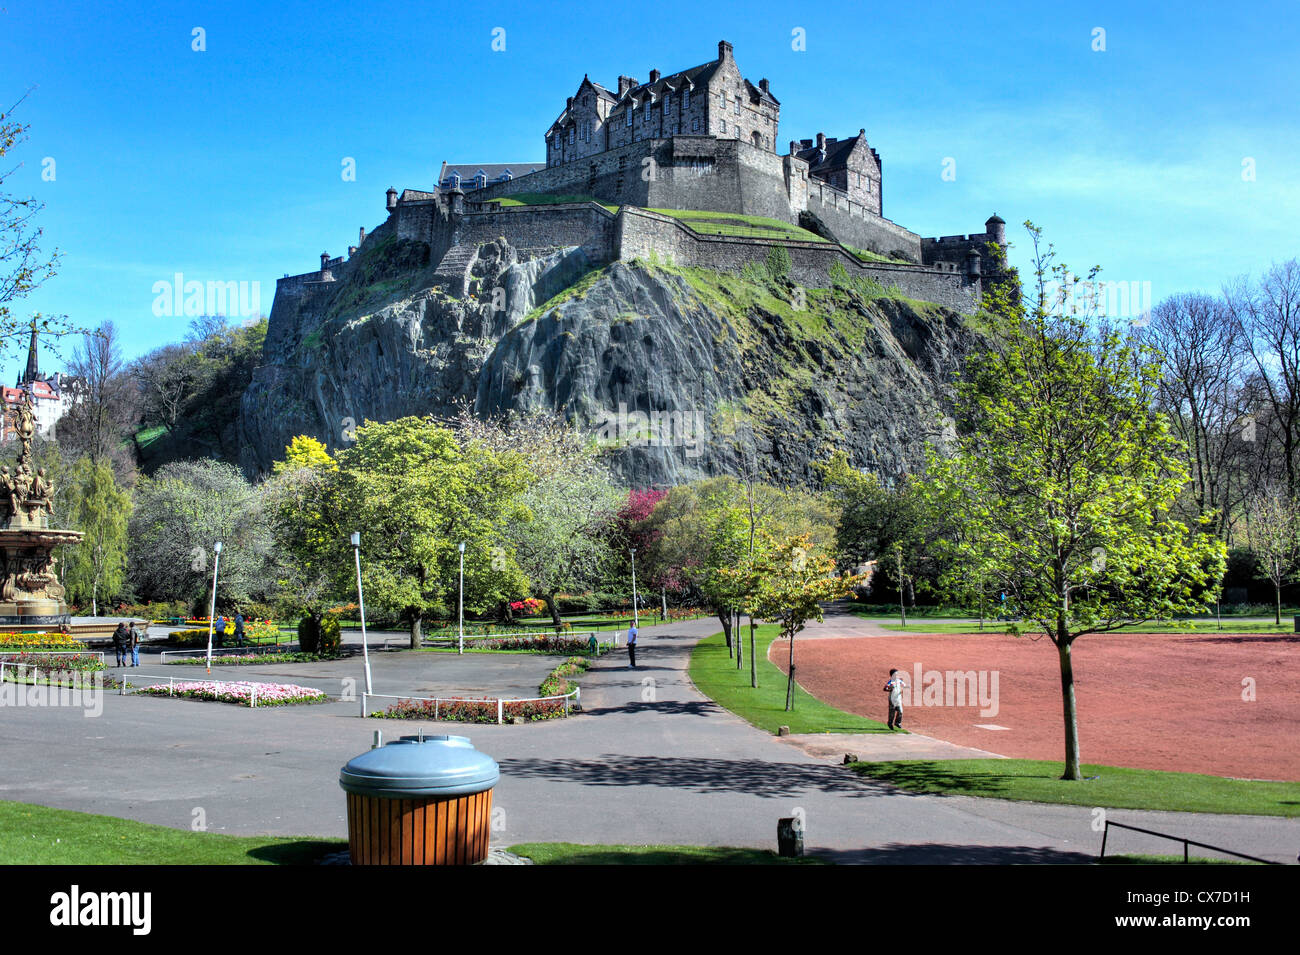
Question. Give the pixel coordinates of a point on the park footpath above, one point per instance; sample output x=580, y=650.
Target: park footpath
x=649, y=761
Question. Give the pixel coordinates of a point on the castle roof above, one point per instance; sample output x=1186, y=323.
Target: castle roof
x=494, y=172
x=834, y=156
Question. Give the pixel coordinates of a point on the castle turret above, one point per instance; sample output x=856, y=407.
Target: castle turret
x=996, y=227
x=324, y=261
x=392, y=199
x=973, y=264
x=33, y=372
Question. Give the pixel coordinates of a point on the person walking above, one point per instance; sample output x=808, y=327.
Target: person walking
x=133, y=640
x=631, y=645
x=239, y=628
x=119, y=643
x=220, y=630
x=895, y=688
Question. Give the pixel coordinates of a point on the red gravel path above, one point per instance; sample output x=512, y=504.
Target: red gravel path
x=1150, y=701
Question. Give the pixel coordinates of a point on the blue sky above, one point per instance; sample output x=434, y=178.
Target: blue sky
x=225, y=165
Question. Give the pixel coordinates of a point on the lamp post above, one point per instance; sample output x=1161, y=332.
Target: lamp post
x=361, y=606
x=212, y=607
x=636, y=619
x=460, y=609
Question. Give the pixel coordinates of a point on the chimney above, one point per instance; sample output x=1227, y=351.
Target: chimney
x=762, y=84
x=806, y=143
x=724, y=50
x=569, y=103
x=654, y=76
x=361, y=237
x=821, y=140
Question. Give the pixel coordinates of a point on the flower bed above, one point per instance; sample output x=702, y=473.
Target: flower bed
x=557, y=683
x=39, y=641
x=268, y=694
x=248, y=659
x=544, y=643
x=58, y=661
x=471, y=710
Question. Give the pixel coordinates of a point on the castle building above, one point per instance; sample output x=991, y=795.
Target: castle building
x=701, y=139
x=712, y=99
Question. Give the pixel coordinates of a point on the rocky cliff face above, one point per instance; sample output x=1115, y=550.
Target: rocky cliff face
x=682, y=372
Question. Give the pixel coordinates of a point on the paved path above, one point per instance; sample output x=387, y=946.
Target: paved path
x=651, y=761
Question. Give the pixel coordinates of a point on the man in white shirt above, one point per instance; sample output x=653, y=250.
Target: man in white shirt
x=631, y=645
x=895, y=688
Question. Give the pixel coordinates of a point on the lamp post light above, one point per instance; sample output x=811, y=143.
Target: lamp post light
x=361, y=606
x=636, y=619
x=212, y=607
x=460, y=611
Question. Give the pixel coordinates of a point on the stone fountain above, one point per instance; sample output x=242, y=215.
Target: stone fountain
x=31, y=597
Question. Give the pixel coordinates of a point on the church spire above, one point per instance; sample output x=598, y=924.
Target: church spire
x=33, y=372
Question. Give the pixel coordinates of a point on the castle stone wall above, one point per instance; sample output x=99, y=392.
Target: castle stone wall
x=538, y=229
x=643, y=234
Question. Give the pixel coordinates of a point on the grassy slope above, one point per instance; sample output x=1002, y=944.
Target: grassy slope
x=38, y=835
x=1031, y=780
x=715, y=675
x=729, y=223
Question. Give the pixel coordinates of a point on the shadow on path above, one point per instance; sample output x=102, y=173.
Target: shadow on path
x=939, y=853
x=749, y=776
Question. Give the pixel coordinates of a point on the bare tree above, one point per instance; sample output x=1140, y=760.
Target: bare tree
x=104, y=400
x=1202, y=359
x=1274, y=536
x=1267, y=313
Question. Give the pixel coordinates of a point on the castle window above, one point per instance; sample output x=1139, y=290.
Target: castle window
x=629, y=114
x=572, y=135
x=722, y=127
x=695, y=125
x=668, y=99
x=686, y=99
x=737, y=105
x=647, y=111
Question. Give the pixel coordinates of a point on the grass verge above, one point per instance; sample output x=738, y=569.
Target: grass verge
x=1033, y=780
x=715, y=675
x=569, y=853
x=39, y=835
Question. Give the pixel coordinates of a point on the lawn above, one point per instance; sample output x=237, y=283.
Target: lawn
x=938, y=625
x=543, y=199
x=726, y=223
x=568, y=853
x=38, y=835
x=1029, y=780
x=715, y=675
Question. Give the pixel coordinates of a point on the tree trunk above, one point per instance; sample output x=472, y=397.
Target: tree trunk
x=1070, y=711
x=740, y=650
x=753, y=664
x=415, y=630
x=555, y=611
x=725, y=616
x=789, y=681
x=1277, y=617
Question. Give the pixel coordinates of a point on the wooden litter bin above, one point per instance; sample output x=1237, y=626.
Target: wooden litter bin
x=420, y=801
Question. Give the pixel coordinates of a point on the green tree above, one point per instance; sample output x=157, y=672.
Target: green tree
x=562, y=542
x=1273, y=535
x=786, y=582
x=1063, y=477
x=415, y=493
x=180, y=513
x=96, y=567
x=300, y=494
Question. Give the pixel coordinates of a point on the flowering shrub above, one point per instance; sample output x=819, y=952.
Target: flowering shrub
x=38, y=641
x=58, y=661
x=529, y=607
x=245, y=659
x=472, y=710
x=542, y=643
x=268, y=694
x=55, y=670
x=556, y=683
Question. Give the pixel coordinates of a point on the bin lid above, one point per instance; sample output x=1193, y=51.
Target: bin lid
x=412, y=767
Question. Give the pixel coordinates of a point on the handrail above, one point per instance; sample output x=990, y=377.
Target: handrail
x=1184, y=841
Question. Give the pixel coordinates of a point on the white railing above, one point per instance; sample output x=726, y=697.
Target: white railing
x=59, y=653
x=10, y=665
x=571, y=699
